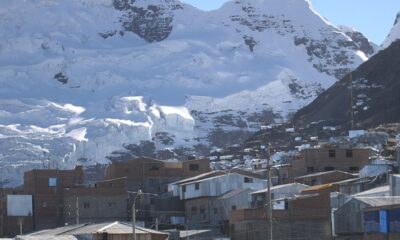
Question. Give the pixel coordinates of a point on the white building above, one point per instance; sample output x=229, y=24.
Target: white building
x=215, y=185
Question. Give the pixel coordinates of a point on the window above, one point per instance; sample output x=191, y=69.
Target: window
x=193, y=210
x=202, y=211
x=111, y=184
x=215, y=210
x=104, y=236
x=52, y=182
x=152, y=201
x=234, y=207
x=329, y=168
x=154, y=168
x=349, y=153
x=354, y=169
x=310, y=169
x=197, y=186
x=111, y=204
x=86, y=205
x=194, y=167
x=184, y=188
x=248, y=180
x=332, y=153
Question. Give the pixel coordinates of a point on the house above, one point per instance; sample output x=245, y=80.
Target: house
x=324, y=177
x=99, y=231
x=153, y=176
x=216, y=185
x=104, y=201
x=47, y=188
x=259, y=198
x=214, y=211
x=382, y=222
x=327, y=158
x=209, y=198
x=348, y=219
x=303, y=216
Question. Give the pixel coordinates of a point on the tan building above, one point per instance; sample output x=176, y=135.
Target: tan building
x=326, y=158
x=47, y=188
x=306, y=216
x=153, y=175
x=103, y=202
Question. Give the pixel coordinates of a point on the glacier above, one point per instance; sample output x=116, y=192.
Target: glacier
x=88, y=82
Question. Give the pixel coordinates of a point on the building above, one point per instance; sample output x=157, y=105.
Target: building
x=210, y=197
x=215, y=186
x=104, y=201
x=382, y=222
x=348, y=219
x=304, y=216
x=10, y=222
x=328, y=158
x=99, y=231
x=47, y=188
x=259, y=198
x=320, y=178
x=153, y=176
x=213, y=212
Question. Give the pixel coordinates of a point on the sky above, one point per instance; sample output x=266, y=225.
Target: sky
x=373, y=18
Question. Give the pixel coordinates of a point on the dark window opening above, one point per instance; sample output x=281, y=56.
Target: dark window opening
x=332, y=153
x=354, y=169
x=154, y=168
x=193, y=210
x=86, y=205
x=104, y=236
x=349, y=153
x=152, y=201
x=234, y=207
x=310, y=169
x=194, y=167
x=197, y=186
x=202, y=210
x=215, y=210
x=248, y=180
x=329, y=168
x=184, y=188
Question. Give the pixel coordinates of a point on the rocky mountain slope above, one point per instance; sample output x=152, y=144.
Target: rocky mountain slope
x=371, y=94
x=86, y=81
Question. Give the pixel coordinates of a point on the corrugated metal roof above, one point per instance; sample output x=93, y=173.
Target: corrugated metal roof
x=46, y=237
x=379, y=201
x=318, y=187
x=233, y=193
x=83, y=229
x=280, y=187
x=382, y=189
x=191, y=233
x=325, y=173
x=199, y=177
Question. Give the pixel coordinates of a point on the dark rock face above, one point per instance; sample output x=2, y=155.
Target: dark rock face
x=61, y=77
x=250, y=42
x=372, y=91
x=361, y=42
x=152, y=23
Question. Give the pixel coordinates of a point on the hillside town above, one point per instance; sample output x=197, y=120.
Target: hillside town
x=199, y=120
x=332, y=187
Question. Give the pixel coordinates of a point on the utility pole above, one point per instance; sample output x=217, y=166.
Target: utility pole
x=77, y=211
x=138, y=194
x=269, y=192
x=269, y=196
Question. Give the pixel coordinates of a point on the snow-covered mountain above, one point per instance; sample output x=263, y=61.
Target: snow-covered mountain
x=394, y=33
x=85, y=81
